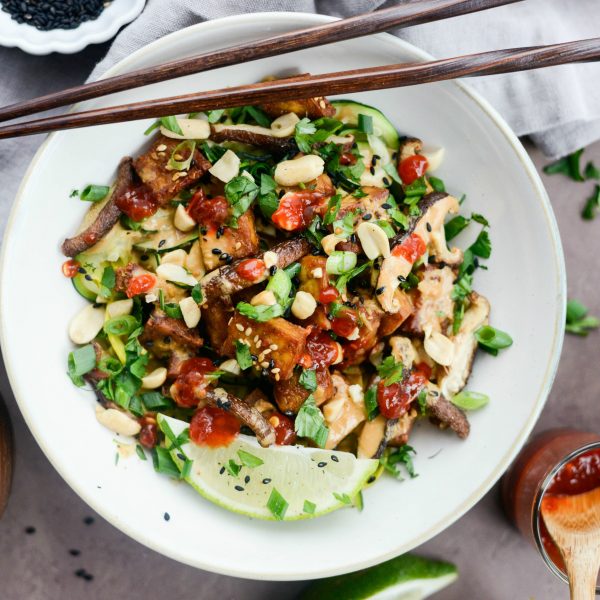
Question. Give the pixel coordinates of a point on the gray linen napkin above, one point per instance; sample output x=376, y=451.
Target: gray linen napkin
x=558, y=107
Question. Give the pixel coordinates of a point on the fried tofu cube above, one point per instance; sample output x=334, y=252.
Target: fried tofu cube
x=152, y=168
x=371, y=204
x=277, y=344
x=313, y=108
x=227, y=241
x=290, y=395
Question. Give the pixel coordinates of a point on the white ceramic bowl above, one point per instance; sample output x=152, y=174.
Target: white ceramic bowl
x=525, y=283
x=67, y=41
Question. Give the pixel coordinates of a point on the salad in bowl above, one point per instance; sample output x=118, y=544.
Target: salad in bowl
x=273, y=301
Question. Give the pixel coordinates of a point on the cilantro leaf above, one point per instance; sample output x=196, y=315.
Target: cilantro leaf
x=310, y=423
x=308, y=379
x=260, y=313
x=393, y=458
x=390, y=370
x=243, y=355
x=568, y=165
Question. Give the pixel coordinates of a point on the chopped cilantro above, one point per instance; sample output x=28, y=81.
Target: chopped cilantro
x=393, y=458
x=310, y=423
x=390, y=370
x=371, y=405
x=568, y=165
x=243, y=355
x=308, y=379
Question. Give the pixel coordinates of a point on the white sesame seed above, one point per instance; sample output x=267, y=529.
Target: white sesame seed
x=275, y=370
x=277, y=377
x=267, y=351
x=248, y=331
x=239, y=327
x=161, y=148
x=264, y=365
x=259, y=343
x=274, y=347
x=261, y=357
x=256, y=338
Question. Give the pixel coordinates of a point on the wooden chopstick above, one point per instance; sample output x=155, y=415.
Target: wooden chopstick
x=403, y=15
x=359, y=80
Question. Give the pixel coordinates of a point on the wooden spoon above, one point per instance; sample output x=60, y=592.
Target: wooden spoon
x=6, y=456
x=574, y=524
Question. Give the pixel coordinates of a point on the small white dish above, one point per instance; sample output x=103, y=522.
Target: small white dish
x=525, y=283
x=68, y=41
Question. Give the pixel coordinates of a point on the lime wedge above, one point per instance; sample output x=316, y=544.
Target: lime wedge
x=406, y=577
x=280, y=483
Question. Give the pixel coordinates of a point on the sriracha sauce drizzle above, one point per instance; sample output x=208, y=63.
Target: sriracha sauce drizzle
x=411, y=168
x=137, y=202
x=251, y=269
x=214, y=427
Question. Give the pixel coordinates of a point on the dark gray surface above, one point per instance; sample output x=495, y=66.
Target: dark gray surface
x=495, y=563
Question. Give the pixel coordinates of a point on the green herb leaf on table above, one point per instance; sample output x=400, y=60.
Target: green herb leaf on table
x=578, y=321
x=591, y=171
x=310, y=423
x=568, y=165
x=592, y=206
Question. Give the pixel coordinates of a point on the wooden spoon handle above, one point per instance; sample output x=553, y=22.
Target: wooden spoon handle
x=583, y=563
x=6, y=456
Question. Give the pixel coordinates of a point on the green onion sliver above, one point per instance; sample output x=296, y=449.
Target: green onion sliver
x=94, y=193
x=365, y=123
x=493, y=338
x=177, y=162
x=340, y=262
x=122, y=325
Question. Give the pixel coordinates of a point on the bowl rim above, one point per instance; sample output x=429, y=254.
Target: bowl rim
x=500, y=468
x=41, y=43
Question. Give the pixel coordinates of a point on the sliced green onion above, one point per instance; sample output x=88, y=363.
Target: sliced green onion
x=389, y=230
x=277, y=504
x=437, y=184
x=470, y=400
x=259, y=116
x=260, y=313
x=214, y=116
x=94, y=193
x=340, y=262
x=81, y=361
x=187, y=147
x=154, y=401
x=492, y=339
x=417, y=188
x=163, y=463
x=309, y=507
x=122, y=325
x=365, y=123
x=281, y=285
x=249, y=460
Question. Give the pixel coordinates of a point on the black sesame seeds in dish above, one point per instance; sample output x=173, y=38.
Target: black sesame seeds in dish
x=54, y=14
x=273, y=303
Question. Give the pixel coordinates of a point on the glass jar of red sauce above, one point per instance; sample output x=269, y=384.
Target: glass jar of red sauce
x=558, y=461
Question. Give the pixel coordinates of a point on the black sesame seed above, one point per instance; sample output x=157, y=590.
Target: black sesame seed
x=88, y=520
x=74, y=552
x=180, y=456
x=266, y=481
x=386, y=205
x=220, y=231
x=353, y=238
x=273, y=270
x=281, y=193
x=216, y=251
x=254, y=357
x=428, y=226
x=81, y=270
x=380, y=290
x=203, y=230
x=334, y=458
x=373, y=161
x=376, y=156
x=271, y=364
x=167, y=516
x=367, y=216
x=371, y=479
x=224, y=404
x=247, y=479
x=222, y=471
x=385, y=181
x=162, y=243
x=238, y=488
x=401, y=279
x=88, y=576
x=322, y=464
x=224, y=256
x=61, y=14
x=88, y=277
x=30, y=530
x=372, y=170
x=144, y=257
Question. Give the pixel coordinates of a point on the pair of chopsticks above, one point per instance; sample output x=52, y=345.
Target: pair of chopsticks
x=359, y=80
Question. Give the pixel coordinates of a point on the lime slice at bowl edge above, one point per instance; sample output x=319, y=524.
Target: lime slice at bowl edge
x=277, y=483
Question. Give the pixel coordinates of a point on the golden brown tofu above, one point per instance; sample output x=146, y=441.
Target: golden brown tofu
x=391, y=321
x=277, y=344
x=290, y=395
x=313, y=108
x=215, y=315
x=313, y=275
x=152, y=168
x=227, y=241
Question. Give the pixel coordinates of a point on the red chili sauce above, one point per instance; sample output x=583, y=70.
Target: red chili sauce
x=580, y=475
x=296, y=210
x=138, y=202
x=251, y=269
x=210, y=212
x=212, y=426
